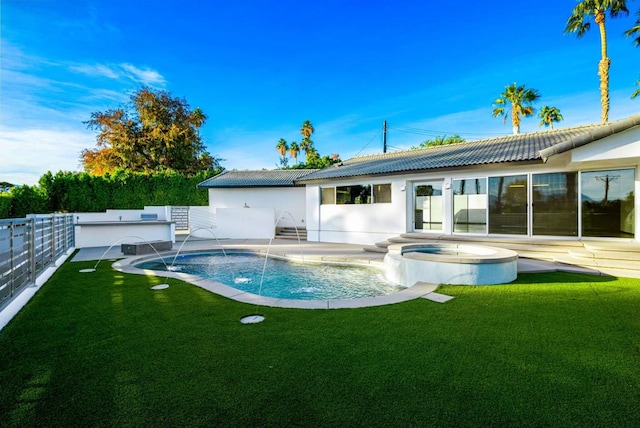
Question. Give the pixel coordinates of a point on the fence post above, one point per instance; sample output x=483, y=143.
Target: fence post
x=32, y=251
x=64, y=232
x=52, y=220
x=11, y=258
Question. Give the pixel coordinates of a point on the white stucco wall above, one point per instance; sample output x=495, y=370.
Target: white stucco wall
x=241, y=213
x=163, y=213
x=104, y=234
x=245, y=223
x=288, y=203
x=357, y=224
x=622, y=148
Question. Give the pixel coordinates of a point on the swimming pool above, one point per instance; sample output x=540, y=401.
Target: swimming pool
x=282, y=279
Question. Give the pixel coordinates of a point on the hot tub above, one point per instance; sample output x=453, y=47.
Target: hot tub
x=450, y=263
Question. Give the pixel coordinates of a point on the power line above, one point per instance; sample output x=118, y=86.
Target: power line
x=434, y=133
x=425, y=133
x=365, y=146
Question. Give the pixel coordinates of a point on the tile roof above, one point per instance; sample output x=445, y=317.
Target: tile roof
x=263, y=178
x=537, y=146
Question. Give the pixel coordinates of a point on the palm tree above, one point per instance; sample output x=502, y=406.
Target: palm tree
x=579, y=23
x=197, y=119
x=520, y=98
x=635, y=31
x=548, y=115
x=306, y=130
x=637, y=92
x=307, y=146
x=294, y=149
x=282, y=148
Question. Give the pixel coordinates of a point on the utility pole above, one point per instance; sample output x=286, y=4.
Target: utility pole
x=606, y=179
x=384, y=137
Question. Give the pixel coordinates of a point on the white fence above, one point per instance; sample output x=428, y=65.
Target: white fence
x=27, y=247
x=200, y=219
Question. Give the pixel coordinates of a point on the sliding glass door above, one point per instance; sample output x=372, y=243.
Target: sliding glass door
x=555, y=204
x=428, y=203
x=508, y=205
x=608, y=202
x=470, y=205
x=569, y=204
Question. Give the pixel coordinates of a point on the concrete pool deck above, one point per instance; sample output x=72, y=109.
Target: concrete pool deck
x=307, y=251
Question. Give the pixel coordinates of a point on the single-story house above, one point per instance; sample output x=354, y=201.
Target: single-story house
x=571, y=183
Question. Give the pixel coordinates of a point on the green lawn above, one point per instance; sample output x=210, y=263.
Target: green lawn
x=103, y=349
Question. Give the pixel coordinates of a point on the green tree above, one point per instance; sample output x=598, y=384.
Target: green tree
x=28, y=200
x=5, y=186
x=154, y=132
x=548, y=115
x=579, y=23
x=635, y=31
x=5, y=205
x=516, y=102
x=637, y=91
x=315, y=161
x=441, y=141
x=306, y=145
x=282, y=148
x=294, y=149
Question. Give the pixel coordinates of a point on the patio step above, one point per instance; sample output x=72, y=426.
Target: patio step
x=374, y=249
x=606, y=255
x=613, y=258
x=291, y=233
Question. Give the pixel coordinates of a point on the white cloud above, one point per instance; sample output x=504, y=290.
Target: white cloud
x=44, y=103
x=146, y=76
x=143, y=75
x=27, y=154
x=97, y=70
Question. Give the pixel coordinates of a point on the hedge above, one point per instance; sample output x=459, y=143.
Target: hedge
x=82, y=192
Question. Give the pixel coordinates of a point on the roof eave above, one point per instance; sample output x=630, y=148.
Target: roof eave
x=581, y=140
x=414, y=171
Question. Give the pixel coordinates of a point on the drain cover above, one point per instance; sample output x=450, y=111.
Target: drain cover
x=160, y=287
x=252, y=319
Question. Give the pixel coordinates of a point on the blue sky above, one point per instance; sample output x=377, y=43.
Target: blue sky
x=259, y=69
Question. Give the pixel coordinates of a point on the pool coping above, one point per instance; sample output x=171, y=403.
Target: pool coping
x=494, y=255
x=418, y=290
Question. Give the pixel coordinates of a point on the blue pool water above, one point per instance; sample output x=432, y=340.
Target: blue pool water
x=282, y=279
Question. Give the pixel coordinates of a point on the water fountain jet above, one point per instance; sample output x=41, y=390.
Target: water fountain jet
x=257, y=318
x=89, y=270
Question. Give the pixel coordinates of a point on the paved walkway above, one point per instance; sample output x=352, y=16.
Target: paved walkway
x=317, y=251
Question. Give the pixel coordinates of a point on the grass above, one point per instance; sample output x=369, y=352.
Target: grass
x=103, y=349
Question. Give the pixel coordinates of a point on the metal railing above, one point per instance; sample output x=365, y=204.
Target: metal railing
x=27, y=247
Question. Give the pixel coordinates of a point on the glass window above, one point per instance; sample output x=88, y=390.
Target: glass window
x=353, y=194
x=328, y=195
x=428, y=206
x=381, y=193
x=555, y=204
x=508, y=205
x=470, y=205
x=608, y=200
